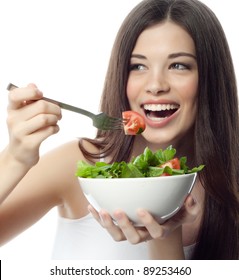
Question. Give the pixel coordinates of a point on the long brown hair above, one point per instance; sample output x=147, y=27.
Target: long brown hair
x=216, y=141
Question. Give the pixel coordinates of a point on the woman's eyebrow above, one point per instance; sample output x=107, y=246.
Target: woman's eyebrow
x=140, y=56
x=175, y=55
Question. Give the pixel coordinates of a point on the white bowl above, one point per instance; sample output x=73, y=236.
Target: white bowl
x=161, y=196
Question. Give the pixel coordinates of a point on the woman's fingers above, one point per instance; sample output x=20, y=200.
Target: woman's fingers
x=94, y=213
x=132, y=233
x=36, y=116
x=21, y=96
x=151, y=224
x=123, y=228
x=187, y=214
x=30, y=110
x=30, y=121
x=33, y=123
x=105, y=220
x=112, y=227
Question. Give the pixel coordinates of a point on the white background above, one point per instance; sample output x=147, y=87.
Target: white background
x=63, y=46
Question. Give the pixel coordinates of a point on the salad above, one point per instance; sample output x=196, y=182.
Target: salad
x=147, y=164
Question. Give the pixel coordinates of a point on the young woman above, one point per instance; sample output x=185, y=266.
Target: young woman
x=175, y=58
x=38, y=121
x=178, y=54
x=166, y=52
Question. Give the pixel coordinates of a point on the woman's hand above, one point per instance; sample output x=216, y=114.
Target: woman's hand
x=123, y=228
x=30, y=121
x=167, y=235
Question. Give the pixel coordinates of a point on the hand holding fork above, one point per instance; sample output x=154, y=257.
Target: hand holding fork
x=101, y=121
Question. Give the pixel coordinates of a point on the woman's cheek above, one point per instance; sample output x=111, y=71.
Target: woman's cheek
x=132, y=90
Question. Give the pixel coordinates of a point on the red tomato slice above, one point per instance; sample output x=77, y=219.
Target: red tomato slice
x=134, y=123
x=173, y=163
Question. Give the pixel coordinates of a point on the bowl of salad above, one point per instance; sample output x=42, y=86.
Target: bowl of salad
x=158, y=182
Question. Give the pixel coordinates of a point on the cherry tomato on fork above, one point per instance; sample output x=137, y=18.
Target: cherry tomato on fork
x=133, y=123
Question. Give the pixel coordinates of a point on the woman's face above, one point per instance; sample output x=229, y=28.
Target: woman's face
x=163, y=82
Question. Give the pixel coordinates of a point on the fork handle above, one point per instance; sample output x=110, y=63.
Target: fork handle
x=61, y=104
x=69, y=107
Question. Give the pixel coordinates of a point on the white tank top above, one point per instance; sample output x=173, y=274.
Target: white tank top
x=85, y=239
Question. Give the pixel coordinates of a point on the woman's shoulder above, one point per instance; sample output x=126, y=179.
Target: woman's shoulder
x=61, y=162
x=60, y=165
x=71, y=150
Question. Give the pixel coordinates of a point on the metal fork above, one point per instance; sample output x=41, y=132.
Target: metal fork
x=100, y=121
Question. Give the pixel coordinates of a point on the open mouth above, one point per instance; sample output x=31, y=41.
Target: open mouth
x=158, y=112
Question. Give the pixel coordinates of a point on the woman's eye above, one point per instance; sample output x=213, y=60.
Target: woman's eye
x=179, y=66
x=136, y=67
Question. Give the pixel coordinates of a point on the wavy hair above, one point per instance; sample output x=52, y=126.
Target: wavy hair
x=216, y=141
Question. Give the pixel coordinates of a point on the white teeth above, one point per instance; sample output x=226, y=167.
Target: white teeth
x=160, y=107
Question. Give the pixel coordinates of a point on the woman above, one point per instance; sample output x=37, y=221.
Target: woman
x=169, y=56
x=213, y=137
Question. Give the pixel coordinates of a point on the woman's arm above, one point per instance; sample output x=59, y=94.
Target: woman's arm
x=11, y=172
x=50, y=181
x=30, y=121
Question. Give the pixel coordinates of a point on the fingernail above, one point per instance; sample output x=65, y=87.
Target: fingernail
x=118, y=215
x=141, y=212
x=39, y=93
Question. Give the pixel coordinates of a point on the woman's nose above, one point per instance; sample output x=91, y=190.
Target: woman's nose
x=157, y=84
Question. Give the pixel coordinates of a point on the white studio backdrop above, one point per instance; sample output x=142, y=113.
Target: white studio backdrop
x=64, y=46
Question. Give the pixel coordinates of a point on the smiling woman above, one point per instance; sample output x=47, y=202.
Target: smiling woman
x=172, y=57
x=168, y=111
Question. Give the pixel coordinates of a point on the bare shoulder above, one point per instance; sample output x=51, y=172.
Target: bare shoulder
x=61, y=163
x=67, y=155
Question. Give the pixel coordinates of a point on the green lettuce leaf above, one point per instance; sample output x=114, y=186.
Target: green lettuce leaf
x=146, y=164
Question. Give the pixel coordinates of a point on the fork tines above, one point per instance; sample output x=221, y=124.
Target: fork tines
x=114, y=124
